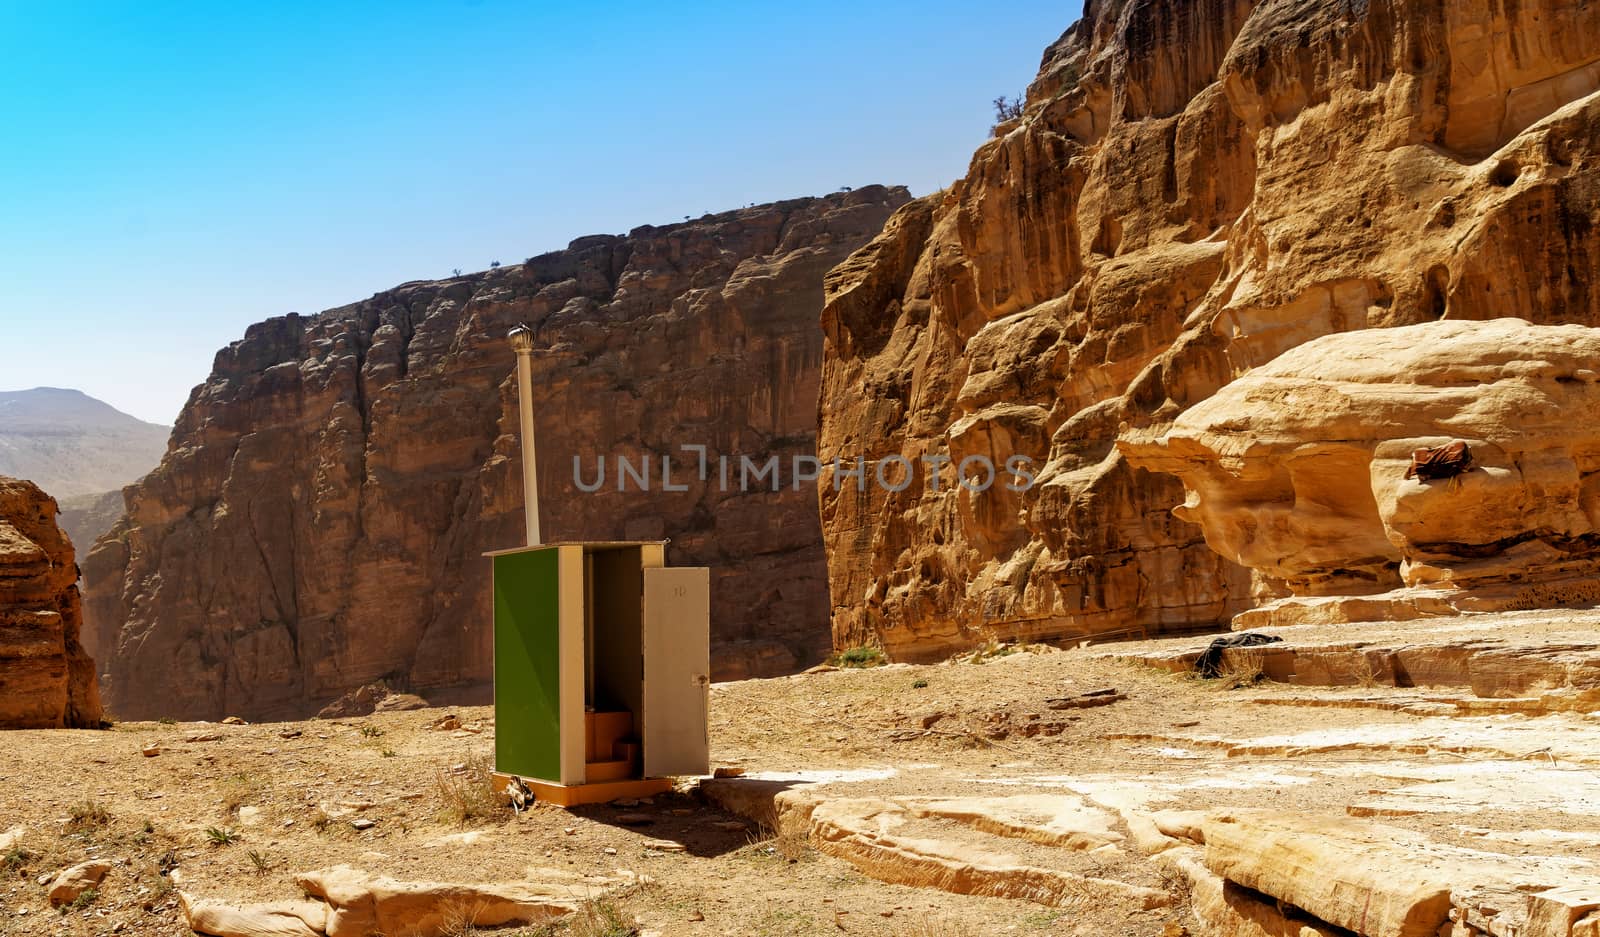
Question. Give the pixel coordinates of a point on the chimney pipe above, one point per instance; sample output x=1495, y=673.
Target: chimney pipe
x=521, y=338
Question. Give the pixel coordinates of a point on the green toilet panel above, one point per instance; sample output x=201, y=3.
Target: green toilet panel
x=527, y=683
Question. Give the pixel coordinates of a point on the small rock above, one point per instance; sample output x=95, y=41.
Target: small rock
x=635, y=819
x=446, y=723
x=570, y=830
x=609, y=850
x=821, y=668
x=234, y=721
x=151, y=750
x=1089, y=700
x=663, y=845
x=626, y=802
x=290, y=734
x=71, y=883
x=727, y=771
x=362, y=823
x=732, y=826
x=204, y=737
x=682, y=812
x=11, y=837
x=400, y=702
x=696, y=916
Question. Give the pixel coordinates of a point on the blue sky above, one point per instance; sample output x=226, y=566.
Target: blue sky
x=174, y=172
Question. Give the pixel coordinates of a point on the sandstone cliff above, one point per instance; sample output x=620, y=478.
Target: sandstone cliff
x=318, y=520
x=46, y=679
x=1193, y=188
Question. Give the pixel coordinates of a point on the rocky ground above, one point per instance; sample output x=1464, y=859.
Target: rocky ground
x=1001, y=793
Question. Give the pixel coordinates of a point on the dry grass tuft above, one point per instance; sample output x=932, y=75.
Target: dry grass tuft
x=934, y=927
x=1368, y=673
x=1241, y=668
x=863, y=656
x=599, y=918
x=237, y=791
x=468, y=795
x=460, y=921
x=1177, y=884
x=88, y=815
x=790, y=845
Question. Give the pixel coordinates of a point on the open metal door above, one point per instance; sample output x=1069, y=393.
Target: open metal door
x=677, y=671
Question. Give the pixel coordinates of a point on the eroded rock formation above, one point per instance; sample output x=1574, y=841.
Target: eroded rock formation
x=46, y=679
x=1193, y=188
x=1299, y=469
x=317, y=523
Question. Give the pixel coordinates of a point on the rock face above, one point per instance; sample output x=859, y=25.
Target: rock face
x=1298, y=469
x=46, y=679
x=85, y=517
x=1195, y=186
x=317, y=523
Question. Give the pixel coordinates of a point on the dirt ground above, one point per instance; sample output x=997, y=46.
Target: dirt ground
x=233, y=812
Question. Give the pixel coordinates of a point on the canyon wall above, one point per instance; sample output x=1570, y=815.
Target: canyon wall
x=318, y=520
x=46, y=679
x=1192, y=189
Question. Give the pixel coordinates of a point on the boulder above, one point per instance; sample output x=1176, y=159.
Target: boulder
x=276, y=919
x=70, y=884
x=1301, y=470
x=361, y=701
x=400, y=702
x=364, y=905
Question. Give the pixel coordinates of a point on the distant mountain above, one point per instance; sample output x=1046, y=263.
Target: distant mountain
x=71, y=444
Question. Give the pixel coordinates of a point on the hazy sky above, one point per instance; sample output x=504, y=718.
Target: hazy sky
x=174, y=172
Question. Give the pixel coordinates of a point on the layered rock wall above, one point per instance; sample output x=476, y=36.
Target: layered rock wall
x=46, y=679
x=1194, y=187
x=318, y=522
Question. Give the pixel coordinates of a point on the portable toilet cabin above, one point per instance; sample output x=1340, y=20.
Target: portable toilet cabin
x=602, y=663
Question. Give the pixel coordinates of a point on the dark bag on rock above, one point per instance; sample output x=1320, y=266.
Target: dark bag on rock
x=1446, y=461
x=1210, y=663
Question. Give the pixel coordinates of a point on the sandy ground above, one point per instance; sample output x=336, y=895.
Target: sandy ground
x=233, y=812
